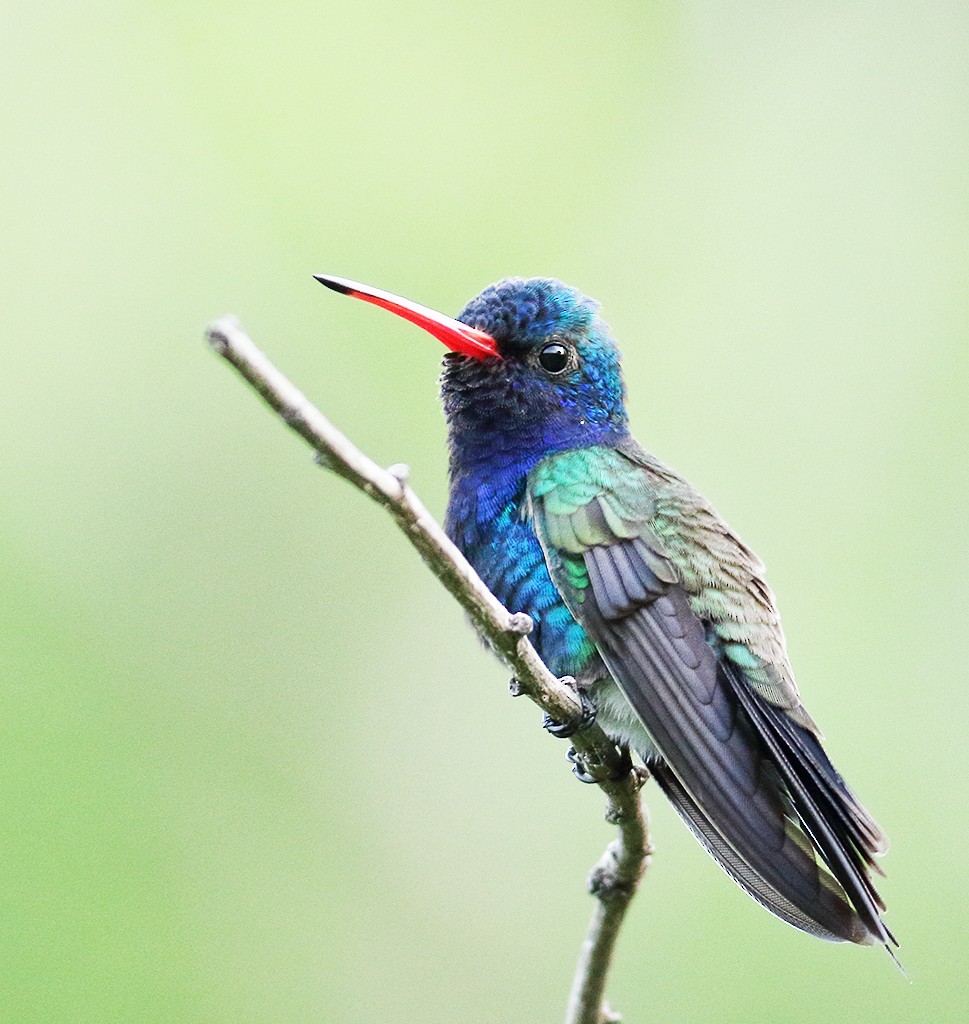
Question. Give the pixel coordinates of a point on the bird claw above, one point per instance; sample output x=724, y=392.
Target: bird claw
x=580, y=767
x=592, y=771
x=563, y=730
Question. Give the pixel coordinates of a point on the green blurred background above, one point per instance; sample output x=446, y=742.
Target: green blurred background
x=253, y=766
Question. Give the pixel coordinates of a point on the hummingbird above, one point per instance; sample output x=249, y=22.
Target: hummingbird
x=641, y=593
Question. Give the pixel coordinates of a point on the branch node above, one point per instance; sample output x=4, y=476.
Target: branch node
x=515, y=687
x=605, y=882
x=400, y=471
x=615, y=815
x=520, y=624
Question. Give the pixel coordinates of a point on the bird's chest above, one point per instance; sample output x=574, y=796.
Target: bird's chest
x=489, y=529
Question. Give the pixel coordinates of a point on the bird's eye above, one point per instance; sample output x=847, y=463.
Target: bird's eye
x=553, y=357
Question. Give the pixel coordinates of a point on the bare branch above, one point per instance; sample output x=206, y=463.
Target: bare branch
x=616, y=876
x=613, y=881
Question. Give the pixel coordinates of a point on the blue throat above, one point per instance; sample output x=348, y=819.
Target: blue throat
x=486, y=519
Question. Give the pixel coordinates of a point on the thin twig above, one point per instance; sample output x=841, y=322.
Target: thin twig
x=613, y=881
x=616, y=876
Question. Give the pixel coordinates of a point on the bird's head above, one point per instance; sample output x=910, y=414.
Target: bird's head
x=532, y=370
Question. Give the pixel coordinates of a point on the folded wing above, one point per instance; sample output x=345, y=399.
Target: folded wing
x=747, y=773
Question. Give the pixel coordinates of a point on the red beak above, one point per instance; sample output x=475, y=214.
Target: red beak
x=457, y=336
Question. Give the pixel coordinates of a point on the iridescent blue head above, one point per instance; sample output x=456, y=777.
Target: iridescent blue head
x=556, y=384
x=532, y=370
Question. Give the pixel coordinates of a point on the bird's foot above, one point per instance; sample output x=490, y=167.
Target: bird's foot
x=580, y=768
x=562, y=730
x=593, y=771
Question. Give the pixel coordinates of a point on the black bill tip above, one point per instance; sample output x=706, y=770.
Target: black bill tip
x=337, y=284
